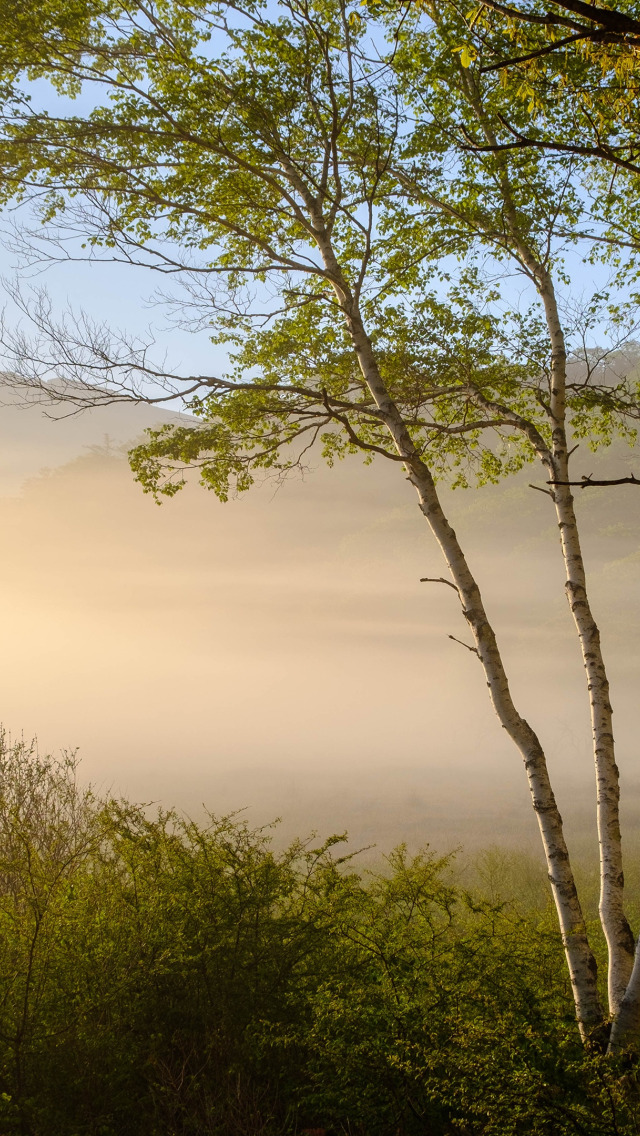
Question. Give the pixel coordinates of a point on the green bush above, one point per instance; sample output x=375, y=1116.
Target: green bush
x=163, y=978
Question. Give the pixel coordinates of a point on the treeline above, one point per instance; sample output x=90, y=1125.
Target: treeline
x=161, y=977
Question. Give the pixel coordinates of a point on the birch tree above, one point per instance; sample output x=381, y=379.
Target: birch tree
x=261, y=159
x=521, y=209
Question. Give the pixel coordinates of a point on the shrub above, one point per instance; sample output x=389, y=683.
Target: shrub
x=164, y=978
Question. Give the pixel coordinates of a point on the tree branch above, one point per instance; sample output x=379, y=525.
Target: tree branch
x=588, y=34
x=586, y=482
x=474, y=650
x=439, y=580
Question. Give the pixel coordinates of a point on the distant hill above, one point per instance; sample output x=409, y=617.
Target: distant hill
x=33, y=438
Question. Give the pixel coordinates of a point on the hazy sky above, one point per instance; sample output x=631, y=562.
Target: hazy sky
x=279, y=651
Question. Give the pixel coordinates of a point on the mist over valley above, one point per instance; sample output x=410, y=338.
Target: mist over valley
x=278, y=653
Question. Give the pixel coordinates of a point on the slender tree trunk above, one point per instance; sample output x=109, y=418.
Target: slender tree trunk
x=580, y=959
x=620, y=941
x=625, y=1031
x=581, y=962
x=618, y=934
x=617, y=931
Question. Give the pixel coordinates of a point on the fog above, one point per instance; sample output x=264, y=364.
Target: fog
x=278, y=653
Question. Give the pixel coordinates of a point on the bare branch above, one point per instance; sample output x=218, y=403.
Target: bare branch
x=587, y=482
x=439, y=580
x=474, y=650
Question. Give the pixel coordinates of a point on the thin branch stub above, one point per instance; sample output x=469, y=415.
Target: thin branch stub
x=474, y=650
x=438, y=580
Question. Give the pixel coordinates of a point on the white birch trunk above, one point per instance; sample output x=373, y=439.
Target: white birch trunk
x=620, y=941
x=580, y=959
x=625, y=1030
x=618, y=934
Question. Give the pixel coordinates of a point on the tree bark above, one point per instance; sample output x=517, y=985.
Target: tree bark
x=625, y=1030
x=580, y=959
x=620, y=941
x=618, y=934
x=615, y=925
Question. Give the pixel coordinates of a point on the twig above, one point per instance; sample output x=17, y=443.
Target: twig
x=547, y=491
x=438, y=580
x=474, y=650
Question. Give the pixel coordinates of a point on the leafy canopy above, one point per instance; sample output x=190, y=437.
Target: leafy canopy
x=305, y=186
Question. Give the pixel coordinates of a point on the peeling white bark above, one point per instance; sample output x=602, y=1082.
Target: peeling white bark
x=618, y=934
x=625, y=1029
x=620, y=941
x=580, y=959
x=623, y=986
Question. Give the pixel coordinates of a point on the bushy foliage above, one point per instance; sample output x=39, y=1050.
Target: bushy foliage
x=164, y=978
